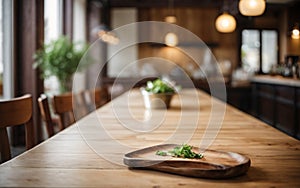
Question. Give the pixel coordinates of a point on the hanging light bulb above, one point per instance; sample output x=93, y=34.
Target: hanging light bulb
x=295, y=32
x=252, y=7
x=225, y=23
x=171, y=39
x=170, y=19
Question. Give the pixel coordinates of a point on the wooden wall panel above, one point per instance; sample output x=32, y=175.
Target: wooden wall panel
x=201, y=22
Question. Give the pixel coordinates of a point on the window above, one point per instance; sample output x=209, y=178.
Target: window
x=269, y=50
x=53, y=20
x=259, y=50
x=6, y=57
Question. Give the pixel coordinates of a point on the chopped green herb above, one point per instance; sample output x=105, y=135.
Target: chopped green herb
x=183, y=151
x=162, y=153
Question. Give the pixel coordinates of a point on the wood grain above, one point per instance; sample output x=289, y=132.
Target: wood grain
x=214, y=164
x=68, y=160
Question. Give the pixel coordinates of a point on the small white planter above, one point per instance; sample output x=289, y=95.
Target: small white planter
x=156, y=100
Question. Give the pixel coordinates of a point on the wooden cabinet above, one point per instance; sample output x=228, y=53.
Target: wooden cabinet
x=237, y=96
x=240, y=97
x=298, y=113
x=277, y=105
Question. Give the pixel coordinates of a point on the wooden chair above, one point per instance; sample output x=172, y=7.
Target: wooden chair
x=105, y=95
x=92, y=99
x=95, y=98
x=46, y=114
x=17, y=111
x=63, y=107
x=79, y=105
x=86, y=96
x=97, y=95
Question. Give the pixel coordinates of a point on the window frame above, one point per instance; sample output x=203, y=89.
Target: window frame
x=260, y=47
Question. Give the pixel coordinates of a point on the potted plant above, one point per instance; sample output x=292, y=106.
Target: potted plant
x=60, y=58
x=158, y=94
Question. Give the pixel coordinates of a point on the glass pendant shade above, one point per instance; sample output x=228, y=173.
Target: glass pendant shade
x=170, y=19
x=171, y=39
x=295, y=33
x=225, y=23
x=252, y=7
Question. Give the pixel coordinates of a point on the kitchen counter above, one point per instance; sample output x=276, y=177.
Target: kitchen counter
x=276, y=80
x=275, y=100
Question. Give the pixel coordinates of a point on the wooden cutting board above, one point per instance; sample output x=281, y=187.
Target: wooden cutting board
x=214, y=164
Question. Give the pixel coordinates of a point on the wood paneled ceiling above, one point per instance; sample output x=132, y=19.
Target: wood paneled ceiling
x=164, y=3
x=180, y=3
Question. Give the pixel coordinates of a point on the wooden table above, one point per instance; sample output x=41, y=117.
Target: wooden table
x=89, y=153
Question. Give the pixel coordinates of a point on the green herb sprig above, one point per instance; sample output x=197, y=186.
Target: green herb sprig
x=159, y=86
x=183, y=151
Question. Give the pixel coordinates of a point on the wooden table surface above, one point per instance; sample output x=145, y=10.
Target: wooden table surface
x=89, y=153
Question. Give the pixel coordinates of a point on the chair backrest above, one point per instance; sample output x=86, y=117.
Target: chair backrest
x=17, y=111
x=46, y=114
x=92, y=99
x=63, y=107
x=95, y=98
x=80, y=107
x=105, y=95
x=86, y=96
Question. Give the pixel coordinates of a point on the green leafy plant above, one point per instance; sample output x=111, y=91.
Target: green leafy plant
x=183, y=151
x=159, y=86
x=60, y=58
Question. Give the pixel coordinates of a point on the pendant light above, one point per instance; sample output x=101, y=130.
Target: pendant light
x=225, y=23
x=171, y=18
x=171, y=38
x=252, y=7
x=295, y=32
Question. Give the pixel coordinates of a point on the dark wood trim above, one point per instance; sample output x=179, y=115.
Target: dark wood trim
x=39, y=82
x=181, y=3
x=94, y=14
x=93, y=19
x=28, y=35
x=67, y=23
x=165, y=3
x=297, y=111
x=98, y=13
